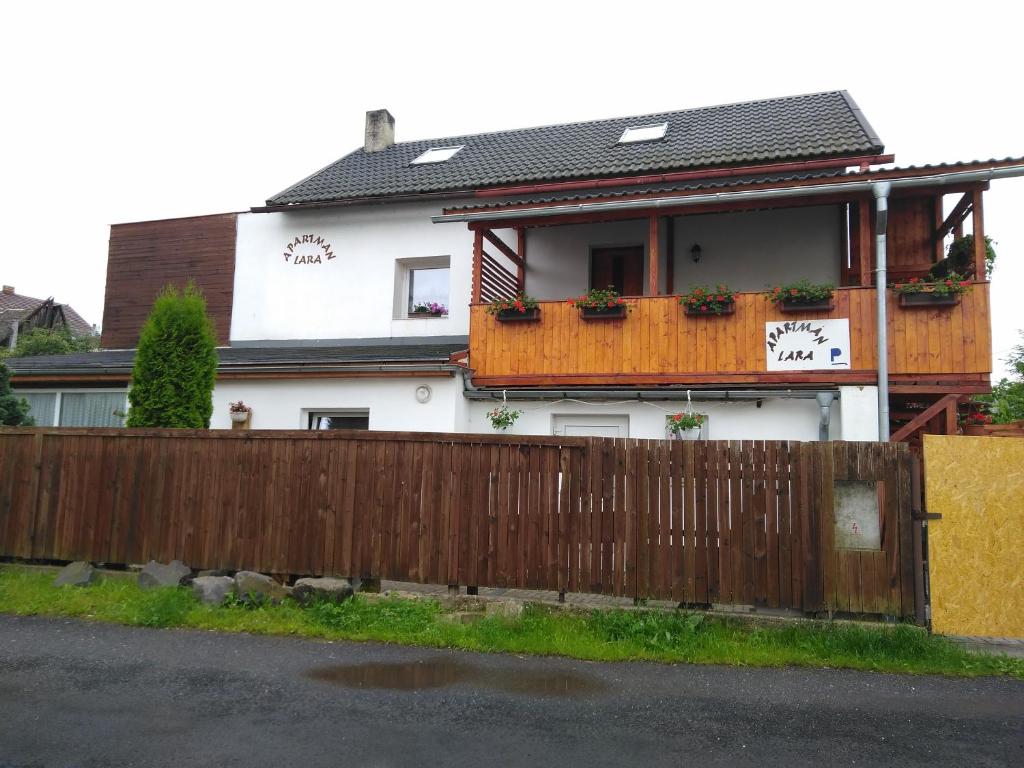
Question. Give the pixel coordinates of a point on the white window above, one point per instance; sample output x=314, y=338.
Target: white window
x=589, y=425
x=338, y=420
x=636, y=133
x=437, y=155
x=422, y=287
x=42, y=407
x=93, y=409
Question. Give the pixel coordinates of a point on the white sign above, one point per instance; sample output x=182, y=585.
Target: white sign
x=807, y=345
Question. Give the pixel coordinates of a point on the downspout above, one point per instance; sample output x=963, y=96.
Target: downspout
x=881, y=190
x=825, y=403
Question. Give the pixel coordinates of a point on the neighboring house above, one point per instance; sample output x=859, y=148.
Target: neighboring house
x=19, y=314
x=313, y=294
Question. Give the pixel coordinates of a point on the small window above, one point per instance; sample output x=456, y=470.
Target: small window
x=338, y=420
x=422, y=287
x=437, y=155
x=637, y=133
x=93, y=409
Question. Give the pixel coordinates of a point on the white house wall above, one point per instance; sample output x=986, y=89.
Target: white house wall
x=350, y=296
x=392, y=403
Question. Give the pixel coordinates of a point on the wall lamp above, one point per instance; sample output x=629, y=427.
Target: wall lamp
x=696, y=253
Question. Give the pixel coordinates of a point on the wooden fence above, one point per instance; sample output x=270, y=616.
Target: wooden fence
x=748, y=522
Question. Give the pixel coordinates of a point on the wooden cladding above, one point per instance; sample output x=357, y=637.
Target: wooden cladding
x=749, y=522
x=146, y=256
x=659, y=343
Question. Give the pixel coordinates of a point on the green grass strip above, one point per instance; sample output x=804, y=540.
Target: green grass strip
x=600, y=635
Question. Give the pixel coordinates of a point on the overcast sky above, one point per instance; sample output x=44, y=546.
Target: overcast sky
x=117, y=112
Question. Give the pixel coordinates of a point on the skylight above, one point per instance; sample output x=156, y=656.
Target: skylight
x=437, y=155
x=636, y=133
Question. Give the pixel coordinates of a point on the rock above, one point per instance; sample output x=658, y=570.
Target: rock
x=329, y=590
x=506, y=609
x=76, y=574
x=252, y=587
x=462, y=617
x=156, y=574
x=212, y=589
x=366, y=585
x=213, y=572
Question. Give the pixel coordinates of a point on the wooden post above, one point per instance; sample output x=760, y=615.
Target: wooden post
x=670, y=254
x=844, y=244
x=478, y=258
x=865, y=239
x=939, y=219
x=979, y=237
x=521, y=250
x=652, y=256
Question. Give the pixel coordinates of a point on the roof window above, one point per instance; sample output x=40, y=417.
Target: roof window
x=637, y=133
x=437, y=155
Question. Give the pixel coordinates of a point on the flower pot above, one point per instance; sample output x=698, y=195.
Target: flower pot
x=928, y=299
x=796, y=305
x=696, y=311
x=686, y=434
x=603, y=313
x=515, y=316
x=419, y=315
x=240, y=417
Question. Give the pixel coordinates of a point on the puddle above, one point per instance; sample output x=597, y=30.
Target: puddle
x=442, y=672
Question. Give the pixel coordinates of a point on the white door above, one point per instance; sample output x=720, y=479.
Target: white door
x=584, y=425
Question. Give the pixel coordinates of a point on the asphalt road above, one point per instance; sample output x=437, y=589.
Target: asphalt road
x=80, y=694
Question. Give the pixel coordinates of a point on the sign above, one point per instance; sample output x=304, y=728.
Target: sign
x=807, y=345
x=308, y=249
x=856, y=514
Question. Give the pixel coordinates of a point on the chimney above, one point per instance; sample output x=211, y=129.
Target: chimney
x=9, y=289
x=380, y=130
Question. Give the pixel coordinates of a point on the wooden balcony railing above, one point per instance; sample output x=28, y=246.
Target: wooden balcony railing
x=658, y=343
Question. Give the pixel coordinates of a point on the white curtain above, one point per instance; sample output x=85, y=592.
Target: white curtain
x=93, y=409
x=41, y=406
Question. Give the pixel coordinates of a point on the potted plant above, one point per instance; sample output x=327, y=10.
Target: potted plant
x=240, y=412
x=684, y=426
x=802, y=296
x=428, y=309
x=503, y=417
x=600, y=304
x=940, y=293
x=519, y=308
x=702, y=300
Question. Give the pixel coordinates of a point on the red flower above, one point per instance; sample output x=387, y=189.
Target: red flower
x=703, y=307
x=611, y=304
x=964, y=283
x=720, y=298
x=915, y=280
x=570, y=302
x=793, y=291
x=949, y=282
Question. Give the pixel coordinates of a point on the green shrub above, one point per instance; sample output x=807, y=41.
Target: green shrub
x=13, y=409
x=175, y=365
x=52, y=341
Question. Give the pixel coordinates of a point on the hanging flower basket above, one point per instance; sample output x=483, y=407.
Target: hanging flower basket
x=239, y=412
x=802, y=296
x=705, y=301
x=685, y=426
x=503, y=417
x=598, y=304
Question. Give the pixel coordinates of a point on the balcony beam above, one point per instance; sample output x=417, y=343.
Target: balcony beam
x=979, y=235
x=653, y=256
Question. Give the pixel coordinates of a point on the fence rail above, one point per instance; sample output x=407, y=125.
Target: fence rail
x=745, y=522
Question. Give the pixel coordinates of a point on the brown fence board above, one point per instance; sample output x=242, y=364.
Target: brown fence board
x=695, y=522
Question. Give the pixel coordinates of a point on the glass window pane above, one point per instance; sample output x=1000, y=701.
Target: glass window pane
x=93, y=409
x=339, y=421
x=428, y=286
x=41, y=406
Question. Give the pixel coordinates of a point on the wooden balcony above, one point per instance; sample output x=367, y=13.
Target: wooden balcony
x=930, y=349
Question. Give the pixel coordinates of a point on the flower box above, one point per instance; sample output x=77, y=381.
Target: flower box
x=421, y=314
x=929, y=299
x=602, y=313
x=728, y=308
x=795, y=305
x=515, y=316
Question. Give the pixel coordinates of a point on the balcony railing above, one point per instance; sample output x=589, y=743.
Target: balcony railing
x=657, y=343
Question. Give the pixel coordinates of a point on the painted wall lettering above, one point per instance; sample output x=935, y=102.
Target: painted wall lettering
x=807, y=345
x=308, y=249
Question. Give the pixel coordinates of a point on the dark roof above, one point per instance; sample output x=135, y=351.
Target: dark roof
x=249, y=358
x=14, y=306
x=792, y=128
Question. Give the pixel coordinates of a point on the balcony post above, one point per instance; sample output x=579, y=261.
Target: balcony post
x=521, y=250
x=653, y=256
x=979, y=235
x=864, y=241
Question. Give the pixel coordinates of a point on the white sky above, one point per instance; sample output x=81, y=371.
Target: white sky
x=117, y=112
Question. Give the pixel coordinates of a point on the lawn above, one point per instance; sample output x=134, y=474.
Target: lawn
x=612, y=635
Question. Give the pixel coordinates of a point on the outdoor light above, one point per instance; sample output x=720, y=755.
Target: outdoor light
x=696, y=253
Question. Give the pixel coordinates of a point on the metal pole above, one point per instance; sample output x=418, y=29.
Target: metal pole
x=881, y=190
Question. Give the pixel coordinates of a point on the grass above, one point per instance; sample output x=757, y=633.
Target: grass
x=614, y=635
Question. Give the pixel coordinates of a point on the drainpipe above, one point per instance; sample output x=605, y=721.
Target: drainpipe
x=825, y=403
x=881, y=190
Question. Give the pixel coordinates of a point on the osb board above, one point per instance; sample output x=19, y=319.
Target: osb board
x=977, y=548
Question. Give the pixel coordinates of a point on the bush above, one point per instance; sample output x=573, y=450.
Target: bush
x=175, y=365
x=52, y=341
x=13, y=409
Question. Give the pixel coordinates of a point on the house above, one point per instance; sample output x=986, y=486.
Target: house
x=19, y=314
x=321, y=297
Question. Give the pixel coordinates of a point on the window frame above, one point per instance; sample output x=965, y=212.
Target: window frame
x=403, y=284
x=662, y=126
x=424, y=157
x=308, y=414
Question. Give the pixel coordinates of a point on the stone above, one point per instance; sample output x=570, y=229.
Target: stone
x=213, y=572
x=252, y=587
x=506, y=609
x=462, y=617
x=212, y=589
x=327, y=589
x=76, y=574
x=155, y=574
x=366, y=585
